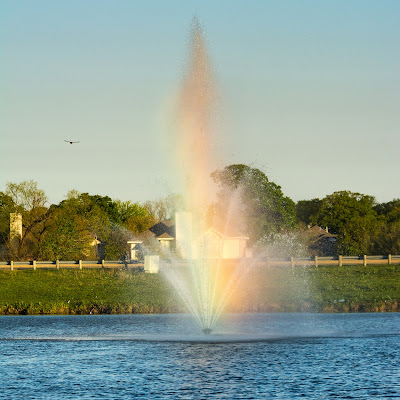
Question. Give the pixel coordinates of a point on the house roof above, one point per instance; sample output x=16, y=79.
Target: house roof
x=316, y=233
x=161, y=230
x=163, y=227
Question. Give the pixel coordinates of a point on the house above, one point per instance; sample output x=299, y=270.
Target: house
x=319, y=241
x=163, y=232
x=179, y=237
x=221, y=245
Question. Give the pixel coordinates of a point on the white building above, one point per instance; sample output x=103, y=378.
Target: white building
x=217, y=244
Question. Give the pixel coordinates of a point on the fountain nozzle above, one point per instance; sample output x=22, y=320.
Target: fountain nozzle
x=207, y=331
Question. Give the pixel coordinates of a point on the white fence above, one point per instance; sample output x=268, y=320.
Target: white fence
x=288, y=261
x=79, y=264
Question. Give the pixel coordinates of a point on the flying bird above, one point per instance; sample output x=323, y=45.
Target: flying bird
x=70, y=142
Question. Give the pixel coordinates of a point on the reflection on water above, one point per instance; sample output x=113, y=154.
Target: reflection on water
x=274, y=356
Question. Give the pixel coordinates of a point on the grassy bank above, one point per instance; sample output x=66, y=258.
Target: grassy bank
x=70, y=291
x=326, y=289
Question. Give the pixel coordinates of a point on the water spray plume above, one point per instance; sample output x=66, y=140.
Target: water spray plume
x=196, y=114
x=208, y=284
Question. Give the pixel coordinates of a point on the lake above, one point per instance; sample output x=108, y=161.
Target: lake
x=248, y=356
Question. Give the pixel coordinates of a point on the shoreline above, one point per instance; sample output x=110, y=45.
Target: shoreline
x=126, y=309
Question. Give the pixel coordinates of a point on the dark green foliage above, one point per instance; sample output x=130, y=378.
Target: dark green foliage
x=352, y=217
x=7, y=206
x=307, y=210
x=387, y=239
x=389, y=211
x=116, y=246
x=262, y=208
x=64, y=239
x=387, y=236
x=93, y=217
x=90, y=211
x=87, y=204
x=362, y=226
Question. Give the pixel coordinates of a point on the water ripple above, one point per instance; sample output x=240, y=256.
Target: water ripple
x=86, y=358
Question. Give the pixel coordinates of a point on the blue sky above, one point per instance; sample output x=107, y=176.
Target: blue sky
x=310, y=93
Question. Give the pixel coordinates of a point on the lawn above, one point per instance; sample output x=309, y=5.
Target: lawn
x=263, y=289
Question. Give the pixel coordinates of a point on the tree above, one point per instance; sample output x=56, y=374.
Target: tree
x=165, y=208
x=390, y=212
x=95, y=217
x=94, y=213
x=66, y=237
x=117, y=243
x=248, y=201
x=352, y=217
x=105, y=204
x=133, y=216
x=26, y=195
x=7, y=206
x=387, y=240
x=30, y=202
x=307, y=210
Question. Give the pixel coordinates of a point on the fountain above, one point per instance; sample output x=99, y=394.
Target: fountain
x=197, y=269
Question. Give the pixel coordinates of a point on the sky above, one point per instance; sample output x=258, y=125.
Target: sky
x=309, y=93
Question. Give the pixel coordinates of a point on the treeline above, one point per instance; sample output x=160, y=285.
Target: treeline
x=72, y=229
x=362, y=225
x=247, y=200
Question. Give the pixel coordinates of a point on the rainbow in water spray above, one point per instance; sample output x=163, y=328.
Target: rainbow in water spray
x=204, y=281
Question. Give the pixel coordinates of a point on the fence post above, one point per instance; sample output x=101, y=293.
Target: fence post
x=316, y=261
x=58, y=264
x=340, y=261
x=34, y=265
x=389, y=259
x=80, y=264
x=292, y=262
x=12, y=265
x=365, y=260
x=102, y=263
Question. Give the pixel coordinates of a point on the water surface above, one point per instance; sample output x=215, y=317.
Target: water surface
x=257, y=356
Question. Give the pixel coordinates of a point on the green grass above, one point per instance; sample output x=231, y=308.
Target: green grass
x=326, y=289
x=357, y=288
x=81, y=292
